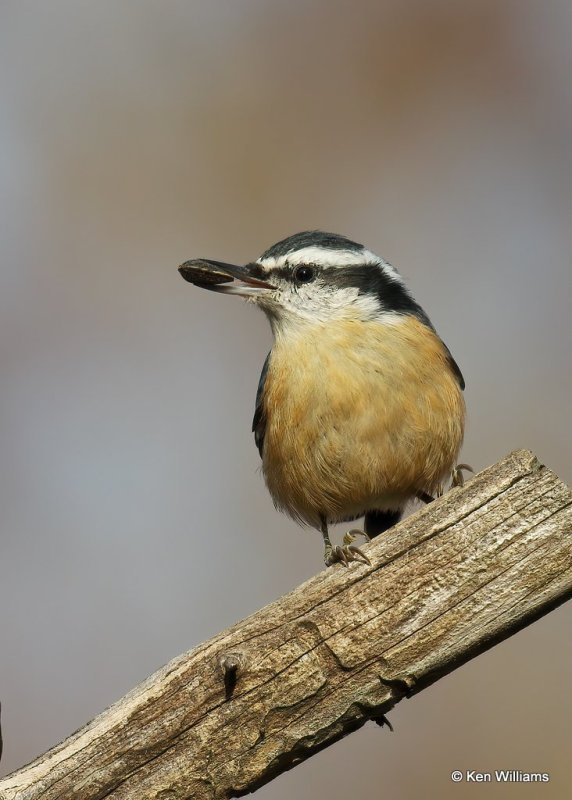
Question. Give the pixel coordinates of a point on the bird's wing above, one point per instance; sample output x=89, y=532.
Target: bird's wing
x=454, y=366
x=259, y=421
x=422, y=317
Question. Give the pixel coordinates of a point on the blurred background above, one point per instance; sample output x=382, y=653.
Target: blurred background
x=135, y=523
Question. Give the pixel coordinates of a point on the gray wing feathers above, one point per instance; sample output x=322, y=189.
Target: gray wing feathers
x=259, y=421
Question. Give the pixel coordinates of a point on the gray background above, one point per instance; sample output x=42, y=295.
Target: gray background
x=135, y=135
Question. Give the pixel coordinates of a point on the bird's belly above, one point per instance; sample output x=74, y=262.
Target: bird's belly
x=359, y=418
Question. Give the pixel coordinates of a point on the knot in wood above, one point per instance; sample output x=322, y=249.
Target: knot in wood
x=231, y=665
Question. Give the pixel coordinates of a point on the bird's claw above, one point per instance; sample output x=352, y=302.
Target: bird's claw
x=457, y=477
x=347, y=552
x=344, y=554
x=352, y=535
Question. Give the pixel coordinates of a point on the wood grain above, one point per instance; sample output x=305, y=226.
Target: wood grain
x=446, y=584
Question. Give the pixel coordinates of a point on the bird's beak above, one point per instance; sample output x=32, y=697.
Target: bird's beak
x=227, y=278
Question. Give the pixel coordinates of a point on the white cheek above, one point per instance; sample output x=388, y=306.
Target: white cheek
x=294, y=309
x=368, y=307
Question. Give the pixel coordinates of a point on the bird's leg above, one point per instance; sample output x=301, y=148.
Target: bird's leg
x=457, y=477
x=328, y=549
x=344, y=554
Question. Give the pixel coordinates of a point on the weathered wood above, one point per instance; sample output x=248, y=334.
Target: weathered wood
x=446, y=584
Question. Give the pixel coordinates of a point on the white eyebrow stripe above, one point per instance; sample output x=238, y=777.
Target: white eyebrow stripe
x=324, y=257
x=330, y=257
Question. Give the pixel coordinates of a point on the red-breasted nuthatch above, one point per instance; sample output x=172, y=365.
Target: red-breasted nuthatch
x=359, y=406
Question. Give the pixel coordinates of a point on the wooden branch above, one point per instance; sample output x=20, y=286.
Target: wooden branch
x=446, y=584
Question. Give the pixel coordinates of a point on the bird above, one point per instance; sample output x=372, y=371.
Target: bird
x=359, y=407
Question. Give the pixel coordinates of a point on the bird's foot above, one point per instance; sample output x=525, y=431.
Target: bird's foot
x=457, y=477
x=351, y=536
x=343, y=554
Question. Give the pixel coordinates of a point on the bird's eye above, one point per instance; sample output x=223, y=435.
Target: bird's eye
x=304, y=274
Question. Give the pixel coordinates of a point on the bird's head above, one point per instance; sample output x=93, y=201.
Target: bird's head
x=311, y=277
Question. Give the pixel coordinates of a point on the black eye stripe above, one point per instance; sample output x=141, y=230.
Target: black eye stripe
x=286, y=273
